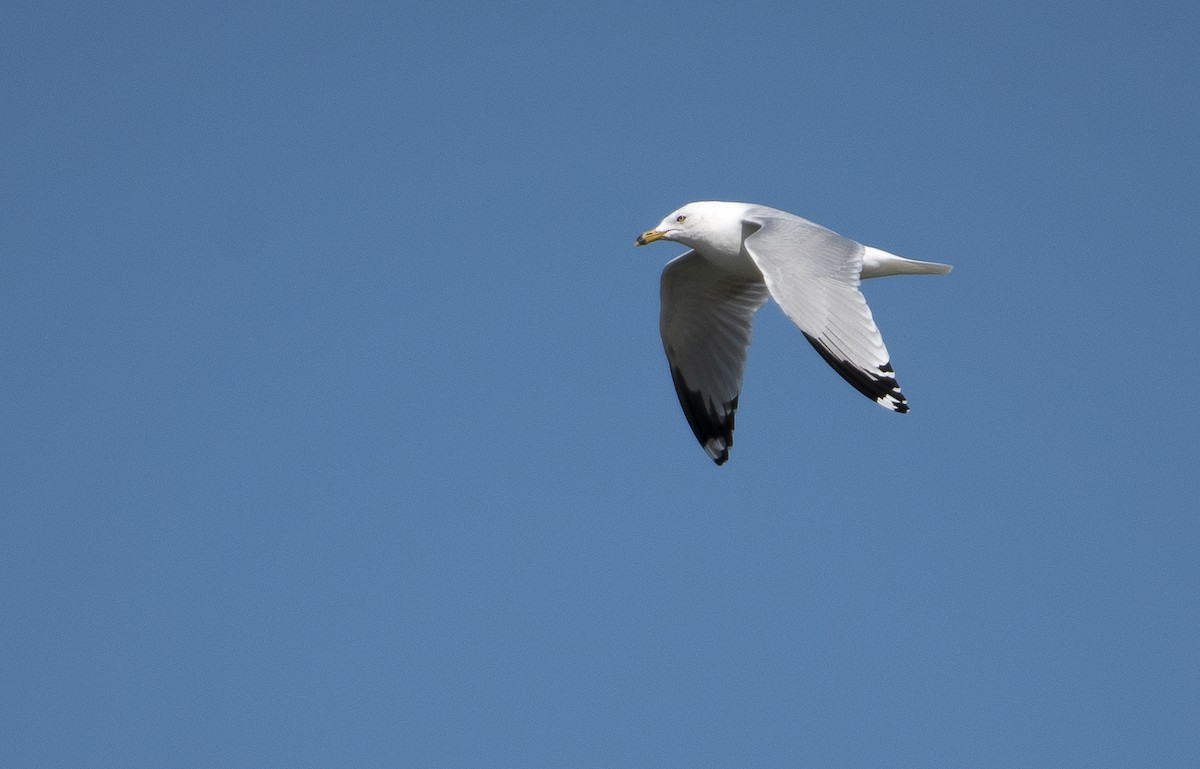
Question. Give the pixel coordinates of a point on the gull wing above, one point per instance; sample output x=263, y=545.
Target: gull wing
x=813, y=273
x=705, y=326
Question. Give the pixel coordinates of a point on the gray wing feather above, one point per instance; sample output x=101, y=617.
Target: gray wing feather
x=705, y=325
x=813, y=273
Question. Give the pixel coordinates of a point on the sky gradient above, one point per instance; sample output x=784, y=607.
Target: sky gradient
x=335, y=428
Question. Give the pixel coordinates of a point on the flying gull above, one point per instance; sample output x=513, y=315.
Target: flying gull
x=741, y=255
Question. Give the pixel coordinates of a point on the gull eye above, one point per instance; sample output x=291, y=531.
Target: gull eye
x=680, y=219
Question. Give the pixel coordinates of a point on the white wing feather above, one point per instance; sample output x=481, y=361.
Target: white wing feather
x=705, y=325
x=813, y=273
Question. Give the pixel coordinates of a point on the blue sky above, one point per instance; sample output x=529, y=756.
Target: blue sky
x=336, y=429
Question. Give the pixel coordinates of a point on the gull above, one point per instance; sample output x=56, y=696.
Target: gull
x=742, y=254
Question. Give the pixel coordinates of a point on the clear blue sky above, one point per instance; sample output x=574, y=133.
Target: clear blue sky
x=336, y=429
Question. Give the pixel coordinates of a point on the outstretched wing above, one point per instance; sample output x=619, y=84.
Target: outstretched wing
x=705, y=325
x=813, y=273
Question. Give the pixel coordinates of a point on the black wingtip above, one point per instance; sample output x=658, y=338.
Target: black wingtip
x=880, y=387
x=712, y=428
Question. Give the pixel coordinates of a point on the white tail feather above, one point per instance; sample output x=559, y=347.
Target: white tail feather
x=880, y=264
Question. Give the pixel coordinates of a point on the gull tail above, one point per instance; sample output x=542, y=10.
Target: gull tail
x=880, y=264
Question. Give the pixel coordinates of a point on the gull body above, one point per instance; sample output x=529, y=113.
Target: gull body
x=742, y=254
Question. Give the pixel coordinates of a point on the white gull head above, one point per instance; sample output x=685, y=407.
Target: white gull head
x=712, y=227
